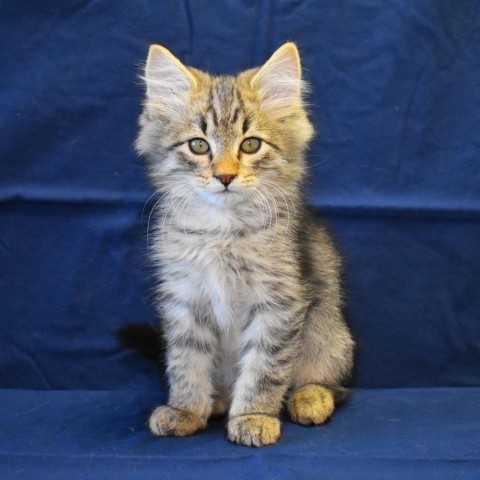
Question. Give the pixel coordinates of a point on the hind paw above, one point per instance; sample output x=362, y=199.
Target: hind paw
x=311, y=404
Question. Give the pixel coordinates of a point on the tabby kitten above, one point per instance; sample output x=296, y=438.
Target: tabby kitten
x=248, y=286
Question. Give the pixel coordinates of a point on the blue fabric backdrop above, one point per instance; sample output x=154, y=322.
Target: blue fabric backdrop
x=395, y=171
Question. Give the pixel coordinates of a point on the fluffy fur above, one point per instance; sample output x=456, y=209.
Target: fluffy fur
x=248, y=290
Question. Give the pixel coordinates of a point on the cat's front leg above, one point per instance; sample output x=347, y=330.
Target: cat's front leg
x=268, y=351
x=191, y=344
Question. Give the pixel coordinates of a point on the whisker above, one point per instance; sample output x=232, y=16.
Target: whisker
x=175, y=187
x=183, y=189
x=284, y=197
x=259, y=203
x=146, y=203
x=277, y=210
x=185, y=204
x=266, y=192
x=284, y=193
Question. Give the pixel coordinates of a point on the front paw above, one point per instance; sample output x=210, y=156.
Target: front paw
x=254, y=429
x=169, y=421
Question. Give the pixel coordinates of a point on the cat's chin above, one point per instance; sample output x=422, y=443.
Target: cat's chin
x=223, y=198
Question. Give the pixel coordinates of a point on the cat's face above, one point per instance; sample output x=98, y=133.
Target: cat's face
x=227, y=139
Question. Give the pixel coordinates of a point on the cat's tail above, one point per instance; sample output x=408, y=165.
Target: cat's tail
x=145, y=339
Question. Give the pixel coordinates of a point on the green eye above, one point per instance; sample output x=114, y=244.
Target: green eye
x=251, y=145
x=199, y=146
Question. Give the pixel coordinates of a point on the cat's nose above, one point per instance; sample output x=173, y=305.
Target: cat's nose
x=225, y=179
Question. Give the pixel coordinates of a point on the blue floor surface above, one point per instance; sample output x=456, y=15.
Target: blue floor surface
x=393, y=433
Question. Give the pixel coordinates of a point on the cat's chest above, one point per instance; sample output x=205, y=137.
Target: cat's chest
x=218, y=272
x=207, y=253
x=226, y=259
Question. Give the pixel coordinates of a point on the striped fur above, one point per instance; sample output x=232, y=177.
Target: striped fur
x=248, y=288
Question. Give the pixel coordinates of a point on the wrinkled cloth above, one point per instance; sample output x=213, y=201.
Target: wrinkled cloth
x=380, y=433
x=395, y=171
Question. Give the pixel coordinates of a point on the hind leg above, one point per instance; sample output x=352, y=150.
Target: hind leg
x=325, y=360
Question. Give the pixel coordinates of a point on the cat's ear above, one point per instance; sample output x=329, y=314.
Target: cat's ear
x=279, y=81
x=168, y=81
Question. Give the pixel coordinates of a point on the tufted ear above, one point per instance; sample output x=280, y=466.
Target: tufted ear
x=168, y=81
x=279, y=80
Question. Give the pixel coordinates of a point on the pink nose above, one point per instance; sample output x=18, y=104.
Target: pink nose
x=225, y=179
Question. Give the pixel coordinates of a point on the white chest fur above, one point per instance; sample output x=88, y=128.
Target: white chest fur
x=205, y=259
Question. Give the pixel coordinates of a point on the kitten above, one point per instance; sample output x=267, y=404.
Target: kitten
x=249, y=288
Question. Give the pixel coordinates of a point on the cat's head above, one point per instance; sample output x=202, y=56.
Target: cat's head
x=224, y=137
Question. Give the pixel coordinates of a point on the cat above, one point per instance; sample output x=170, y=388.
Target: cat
x=248, y=284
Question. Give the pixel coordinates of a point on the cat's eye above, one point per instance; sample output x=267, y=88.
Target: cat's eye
x=251, y=145
x=198, y=146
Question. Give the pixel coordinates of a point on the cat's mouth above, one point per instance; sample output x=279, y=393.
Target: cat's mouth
x=226, y=191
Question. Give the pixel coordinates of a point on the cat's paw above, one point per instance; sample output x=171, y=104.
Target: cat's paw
x=169, y=421
x=254, y=430
x=311, y=404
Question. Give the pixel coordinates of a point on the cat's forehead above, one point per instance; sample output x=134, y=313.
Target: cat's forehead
x=223, y=105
